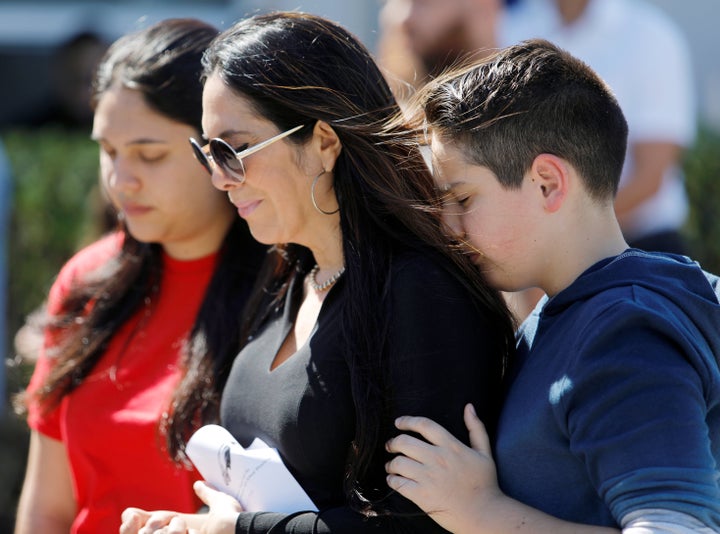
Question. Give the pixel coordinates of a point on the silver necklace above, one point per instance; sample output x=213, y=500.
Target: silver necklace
x=327, y=284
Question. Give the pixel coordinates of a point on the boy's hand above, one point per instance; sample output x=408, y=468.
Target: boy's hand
x=444, y=477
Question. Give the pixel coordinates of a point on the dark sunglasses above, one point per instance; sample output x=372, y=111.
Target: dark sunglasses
x=227, y=158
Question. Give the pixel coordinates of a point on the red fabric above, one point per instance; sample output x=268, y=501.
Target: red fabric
x=110, y=423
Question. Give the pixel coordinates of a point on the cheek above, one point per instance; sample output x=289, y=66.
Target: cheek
x=105, y=169
x=485, y=227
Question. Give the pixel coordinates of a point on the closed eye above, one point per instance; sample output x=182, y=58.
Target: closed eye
x=151, y=158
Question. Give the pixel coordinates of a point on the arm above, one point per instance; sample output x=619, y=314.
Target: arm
x=636, y=418
x=47, y=502
x=650, y=162
x=457, y=485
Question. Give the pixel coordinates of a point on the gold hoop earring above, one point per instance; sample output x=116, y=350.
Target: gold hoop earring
x=312, y=196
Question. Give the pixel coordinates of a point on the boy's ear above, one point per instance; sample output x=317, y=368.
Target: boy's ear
x=328, y=142
x=552, y=176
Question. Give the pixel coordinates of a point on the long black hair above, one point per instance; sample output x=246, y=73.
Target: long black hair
x=163, y=63
x=295, y=69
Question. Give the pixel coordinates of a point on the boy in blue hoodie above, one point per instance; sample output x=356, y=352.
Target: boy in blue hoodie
x=611, y=418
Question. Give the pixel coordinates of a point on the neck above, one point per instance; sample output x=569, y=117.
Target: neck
x=326, y=247
x=597, y=235
x=571, y=10
x=203, y=244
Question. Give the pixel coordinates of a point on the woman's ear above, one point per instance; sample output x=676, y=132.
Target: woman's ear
x=328, y=144
x=552, y=175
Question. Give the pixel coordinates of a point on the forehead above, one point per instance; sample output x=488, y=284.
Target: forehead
x=224, y=110
x=451, y=168
x=123, y=111
x=448, y=160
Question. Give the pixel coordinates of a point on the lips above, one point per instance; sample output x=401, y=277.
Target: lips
x=246, y=208
x=134, y=210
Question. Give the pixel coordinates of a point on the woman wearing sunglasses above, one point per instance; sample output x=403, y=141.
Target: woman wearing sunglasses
x=143, y=323
x=363, y=311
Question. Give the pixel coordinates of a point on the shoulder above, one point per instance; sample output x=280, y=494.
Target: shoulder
x=634, y=294
x=420, y=275
x=87, y=261
x=95, y=255
x=425, y=292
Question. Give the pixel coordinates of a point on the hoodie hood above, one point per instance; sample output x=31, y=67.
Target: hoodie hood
x=678, y=279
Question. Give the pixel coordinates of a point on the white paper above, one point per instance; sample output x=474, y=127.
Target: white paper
x=255, y=476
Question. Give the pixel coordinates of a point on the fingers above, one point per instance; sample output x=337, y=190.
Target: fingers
x=410, y=446
x=404, y=467
x=428, y=429
x=216, y=500
x=404, y=486
x=177, y=525
x=158, y=521
x=479, y=439
x=132, y=520
x=202, y=491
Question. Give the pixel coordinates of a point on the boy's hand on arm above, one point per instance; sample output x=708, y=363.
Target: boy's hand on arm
x=457, y=485
x=443, y=476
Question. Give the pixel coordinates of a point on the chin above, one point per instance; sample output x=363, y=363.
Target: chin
x=143, y=235
x=264, y=235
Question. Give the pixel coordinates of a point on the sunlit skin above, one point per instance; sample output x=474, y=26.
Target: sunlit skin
x=153, y=179
x=275, y=197
x=427, y=21
x=490, y=218
x=431, y=25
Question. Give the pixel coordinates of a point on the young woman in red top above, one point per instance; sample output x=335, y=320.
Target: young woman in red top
x=141, y=325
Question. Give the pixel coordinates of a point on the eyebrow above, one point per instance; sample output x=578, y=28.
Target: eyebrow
x=445, y=188
x=228, y=133
x=140, y=141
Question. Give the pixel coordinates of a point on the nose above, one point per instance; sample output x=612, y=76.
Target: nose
x=120, y=175
x=222, y=181
x=453, y=221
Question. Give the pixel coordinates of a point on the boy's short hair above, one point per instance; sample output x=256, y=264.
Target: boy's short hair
x=529, y=99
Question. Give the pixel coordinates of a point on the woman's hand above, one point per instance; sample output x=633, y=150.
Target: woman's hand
x=223, y=510
x=138, y=521
x=444, y=477
x=220, y=519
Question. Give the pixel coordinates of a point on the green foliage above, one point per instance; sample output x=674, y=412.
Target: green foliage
x=55, y=181
x=702, y=168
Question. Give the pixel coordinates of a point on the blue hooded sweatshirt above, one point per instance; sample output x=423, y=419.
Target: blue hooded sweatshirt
x=614, y=402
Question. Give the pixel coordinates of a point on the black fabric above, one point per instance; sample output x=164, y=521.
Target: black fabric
x=442, y=358
x=670, y=241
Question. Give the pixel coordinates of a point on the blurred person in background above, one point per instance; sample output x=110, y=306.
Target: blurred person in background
x=637, y=49
x=141, y=325
x=73, y=68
